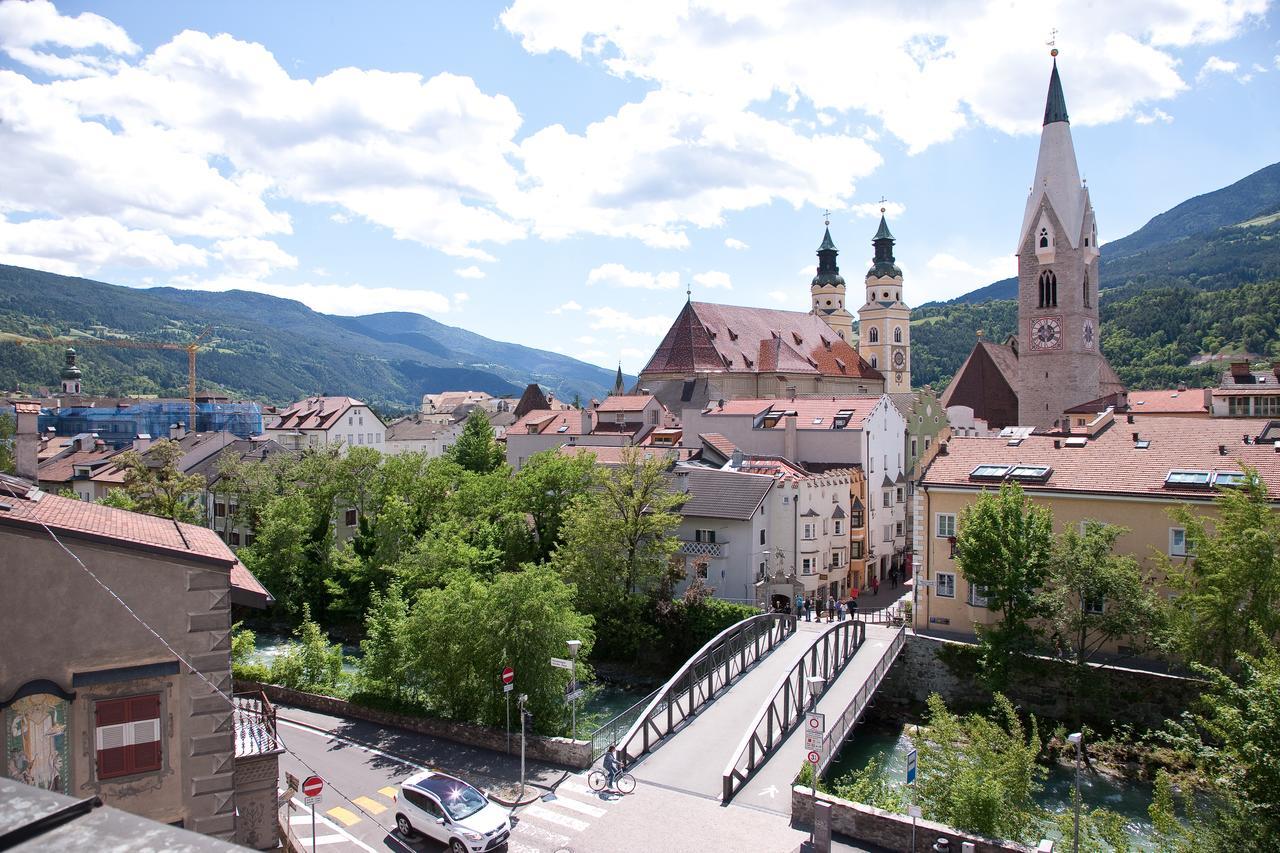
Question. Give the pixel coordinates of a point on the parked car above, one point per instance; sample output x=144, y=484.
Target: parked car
x=452, y=812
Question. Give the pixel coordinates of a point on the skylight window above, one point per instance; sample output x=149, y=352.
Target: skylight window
x=1077, y=441
x=817, y=420
x=989, y=472
x=564, y=428
x=1035, y=473
x=1187, y=480
x=1014, y=442
x=1228, y=479
x=1142, y=443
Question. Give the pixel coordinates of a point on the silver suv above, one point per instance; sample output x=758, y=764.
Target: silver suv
x=452, y=812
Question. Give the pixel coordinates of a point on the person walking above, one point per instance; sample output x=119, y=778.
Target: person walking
x=800, y=611
x=875, y=585
x=831, y=609
x=840, y=610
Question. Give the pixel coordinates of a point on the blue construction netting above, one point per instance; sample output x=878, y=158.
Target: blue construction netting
x=119, y=425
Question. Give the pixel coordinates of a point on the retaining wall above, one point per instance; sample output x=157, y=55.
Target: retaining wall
x=554, y=750
x=890, y=831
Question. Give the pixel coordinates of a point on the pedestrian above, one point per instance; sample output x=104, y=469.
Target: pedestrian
x=799, y=606
x=831, y=609
x=840, y=610
x=853, y=607
x=875, y=586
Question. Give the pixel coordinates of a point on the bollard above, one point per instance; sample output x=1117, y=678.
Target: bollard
x=822, y=828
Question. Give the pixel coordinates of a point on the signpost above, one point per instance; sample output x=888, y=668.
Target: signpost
x=815, y=723
x=562, y=663
x=508, y=684
x=911, y=780
x=815, y=726
x=312, y=786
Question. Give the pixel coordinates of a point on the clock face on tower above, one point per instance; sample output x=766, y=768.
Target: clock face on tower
x=1087, y=334
x=1046, y=333
x=899, y=359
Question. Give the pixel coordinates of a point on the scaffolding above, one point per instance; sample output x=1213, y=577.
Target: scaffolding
x=119, y=424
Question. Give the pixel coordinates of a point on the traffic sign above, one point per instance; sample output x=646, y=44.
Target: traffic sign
x=812, y=740
x=815, y=722
x=570, y=697
x=914, y=811
x=312, y=786
x=311, y=801
x=291, y=781
x=814, y=757
x=508, y=675
x=507, y=688
x=562, y=663
x=911, y=766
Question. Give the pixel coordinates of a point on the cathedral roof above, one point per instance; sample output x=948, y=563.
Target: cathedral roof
x=883, y=263
x=1057, y=181
x=987, y=383
x=1055, y=107
x=707, y=337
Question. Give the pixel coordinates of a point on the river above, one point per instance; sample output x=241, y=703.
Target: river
x=1128, y=798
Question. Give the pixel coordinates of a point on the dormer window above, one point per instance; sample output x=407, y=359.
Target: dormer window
x=1044, y=238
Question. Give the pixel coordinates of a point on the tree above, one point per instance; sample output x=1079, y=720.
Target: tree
x=156, y=486
x=385, y=651
x=1004, y=547
x=1092, y=597
x=1227, y=596
x=7, y=429
x=476, y=449
x=545, y=488
x=310, y=662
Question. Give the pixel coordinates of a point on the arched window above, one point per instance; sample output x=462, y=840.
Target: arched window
x=873, y=335
x=1086, y=290
x=1044, y=238
x=1048, y=289
x=874, y=365
x=897, y=335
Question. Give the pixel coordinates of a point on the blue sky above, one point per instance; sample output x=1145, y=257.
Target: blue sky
x=555, y=172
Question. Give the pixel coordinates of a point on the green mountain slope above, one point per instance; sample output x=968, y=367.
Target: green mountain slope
x=261, y=347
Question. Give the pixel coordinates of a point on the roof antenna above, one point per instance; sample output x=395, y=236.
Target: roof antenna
x=688, y=292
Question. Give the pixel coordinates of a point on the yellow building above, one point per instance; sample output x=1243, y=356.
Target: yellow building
x=1122, y=471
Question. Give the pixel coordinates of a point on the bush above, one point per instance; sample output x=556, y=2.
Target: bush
x=243, y=648
x=310, y=663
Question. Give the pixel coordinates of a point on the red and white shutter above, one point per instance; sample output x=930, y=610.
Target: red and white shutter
x=127, y=735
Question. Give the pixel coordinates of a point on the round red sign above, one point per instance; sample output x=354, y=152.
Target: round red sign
x=312, y=786
x=508, y=675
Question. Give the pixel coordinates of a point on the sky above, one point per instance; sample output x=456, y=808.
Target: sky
x=558, y=172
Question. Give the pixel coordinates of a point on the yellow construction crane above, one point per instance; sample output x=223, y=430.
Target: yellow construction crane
x=190, y=349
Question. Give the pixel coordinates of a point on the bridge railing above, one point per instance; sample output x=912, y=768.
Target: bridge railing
x=607, y=733
x=726, y=656
x=894, y=614
x=836, y=734
x=828, y=655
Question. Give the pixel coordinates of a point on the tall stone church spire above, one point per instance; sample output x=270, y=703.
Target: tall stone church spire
x=827, y=289
x=1059, y=363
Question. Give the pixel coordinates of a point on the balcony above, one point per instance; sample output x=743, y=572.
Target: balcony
x=691, y=548
x=255, y=725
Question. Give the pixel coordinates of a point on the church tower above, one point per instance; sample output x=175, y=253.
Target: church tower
x=884, y=323
x=1059, y=363
x=827, y=290
x=70, y=374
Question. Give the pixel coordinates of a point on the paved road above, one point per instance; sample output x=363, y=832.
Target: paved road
x=364, y=764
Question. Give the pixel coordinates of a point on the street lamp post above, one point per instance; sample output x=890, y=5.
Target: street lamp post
x=815, y=683
x=574, y=645
x=1077, y=739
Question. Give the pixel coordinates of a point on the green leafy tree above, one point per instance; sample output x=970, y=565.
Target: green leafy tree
x=1004, y=545
x=243, y=651
x=283, y=554
x=385, y=650
x=872, y=786
x=979, y=774
x=310, y=662
x=476, y=449
x=156, y=486
x=545, y=488
x=7, y=429
x=1227, y=597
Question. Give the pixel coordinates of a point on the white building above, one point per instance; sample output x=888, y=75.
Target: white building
x=326, y=421
x=723, y=530
x=420, y=434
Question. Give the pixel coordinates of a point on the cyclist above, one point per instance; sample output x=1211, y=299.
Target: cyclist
x=610, y=767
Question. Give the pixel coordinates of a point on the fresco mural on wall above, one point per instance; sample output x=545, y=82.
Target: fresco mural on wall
x=36, y=743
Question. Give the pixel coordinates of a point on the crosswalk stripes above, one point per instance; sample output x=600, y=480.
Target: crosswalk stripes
x=550, y=824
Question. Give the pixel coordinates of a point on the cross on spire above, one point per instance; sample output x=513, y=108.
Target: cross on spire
x=882, y=203
x=826, y=217
x=1053, y=42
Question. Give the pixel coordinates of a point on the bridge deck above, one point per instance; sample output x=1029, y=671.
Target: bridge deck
x=770, y=787
x=693, y=760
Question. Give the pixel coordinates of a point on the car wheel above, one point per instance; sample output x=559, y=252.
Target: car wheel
x=456, y=846
x=403, y=825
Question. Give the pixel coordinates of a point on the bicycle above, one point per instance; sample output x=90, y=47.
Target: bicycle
x=624, y=782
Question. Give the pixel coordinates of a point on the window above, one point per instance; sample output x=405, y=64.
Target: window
x=762, y=536
x=1044, y=238
x=977, y=595
x=945, y=524
x=887, y=499
x=898, y=527
x=235, y=538
x=946, y=585
x=913, y=448
x=350, y=518
x=835, y=559
x=1228, y=479
x=424, y=802
x=899, y=494
x=1048, y=289
x=127, y=735
x=708, y=536
x=888, y=533
x=1178, y=542
x=219, y=510
x=700, y=569
x=1034, y=473
x=926, y=443
x=839, y=522
x=989, y=472
x=1095, y=606
x=874, y=363
x=897, y=335
x=855, y=518
x=350, y=421
x=1086, y=284
x=810, y=530
x=806, y=566
x=1187, y=480
x=361, y=437
x=873, y=335
x=855, y=550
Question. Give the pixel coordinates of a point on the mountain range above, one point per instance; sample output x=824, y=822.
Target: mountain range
x=260, y=347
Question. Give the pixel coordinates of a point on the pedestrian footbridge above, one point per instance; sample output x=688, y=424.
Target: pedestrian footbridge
x=727, y=725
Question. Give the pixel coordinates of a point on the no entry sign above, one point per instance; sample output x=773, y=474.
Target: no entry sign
x=312, y=786
x=508, y=675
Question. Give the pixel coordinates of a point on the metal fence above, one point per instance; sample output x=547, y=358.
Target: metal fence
x=609, y=732
x=836, y=734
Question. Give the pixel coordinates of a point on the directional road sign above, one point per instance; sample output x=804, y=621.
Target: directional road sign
x=562, y=663
x=911, y=766
x=815, y=723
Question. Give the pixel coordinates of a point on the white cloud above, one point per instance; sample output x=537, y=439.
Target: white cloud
x=25, y=26
x=1216, y=65
x=342, y=299
x=472, y=271
x=617, y=275
x=713, y=279
x=585, y=340
x=946, y=276
x=459, y=299
x=734, y=243
x=568, y=306
x=613, y=320
x=86, y=244
x=873, y=209
x=1156, y=115
x=252, y=257
x=793, y=299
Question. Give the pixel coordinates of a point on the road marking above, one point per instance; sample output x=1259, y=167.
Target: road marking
x=347, y=816
x=389, y=792
x=577, y=789
x=371, y=806
x=555, y=839
x=772, y=791
x=321, y=820
x=323, y=839
x=574, y=805
x=559, y=819
x=300, y=818
x=517, y=847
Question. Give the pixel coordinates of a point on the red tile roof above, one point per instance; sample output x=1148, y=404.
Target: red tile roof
x=62, y=469
x=613, y=454
x=546, y=422
x=1168, y=402
x=1111, y=463
x=807, y=410
x=625, y=403
x=736, y=339
x=315, y=412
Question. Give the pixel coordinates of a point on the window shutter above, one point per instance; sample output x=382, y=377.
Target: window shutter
x=127, y=734
x=144, y=714
x=110, y=721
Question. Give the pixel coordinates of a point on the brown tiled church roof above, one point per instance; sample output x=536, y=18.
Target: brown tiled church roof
x=986, y=383
x=707, y=337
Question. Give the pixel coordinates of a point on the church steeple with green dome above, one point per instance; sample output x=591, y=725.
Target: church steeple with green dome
x=70, y=374
x=884, y=322
x=828, y=290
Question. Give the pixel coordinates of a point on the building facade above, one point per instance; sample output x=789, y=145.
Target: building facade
x=884, y=321
x=328, y=421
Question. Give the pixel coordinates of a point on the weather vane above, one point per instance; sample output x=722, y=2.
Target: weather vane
x=882, y=203
x=826, y=217
x=1053, y=41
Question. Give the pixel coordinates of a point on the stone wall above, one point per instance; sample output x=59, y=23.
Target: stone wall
x=887, y=830
x=555, y=750
x=1109, y=695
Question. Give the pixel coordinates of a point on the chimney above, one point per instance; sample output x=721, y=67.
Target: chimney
x=720, y=404
x=942, y=449
x=586, y=421
x=682, y=481
x=1182, y=386
x=1128, y=419
x=789, y=439
x=735, y=461
x=979, y=334
x=26, y=440
x=1135, y=438
x=1222, y=450
x=177, y=431
x=1057, y=444
x=1239, y=369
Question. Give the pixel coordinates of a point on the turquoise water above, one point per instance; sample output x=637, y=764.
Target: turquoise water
x=1127, y=798
x=267, y=647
